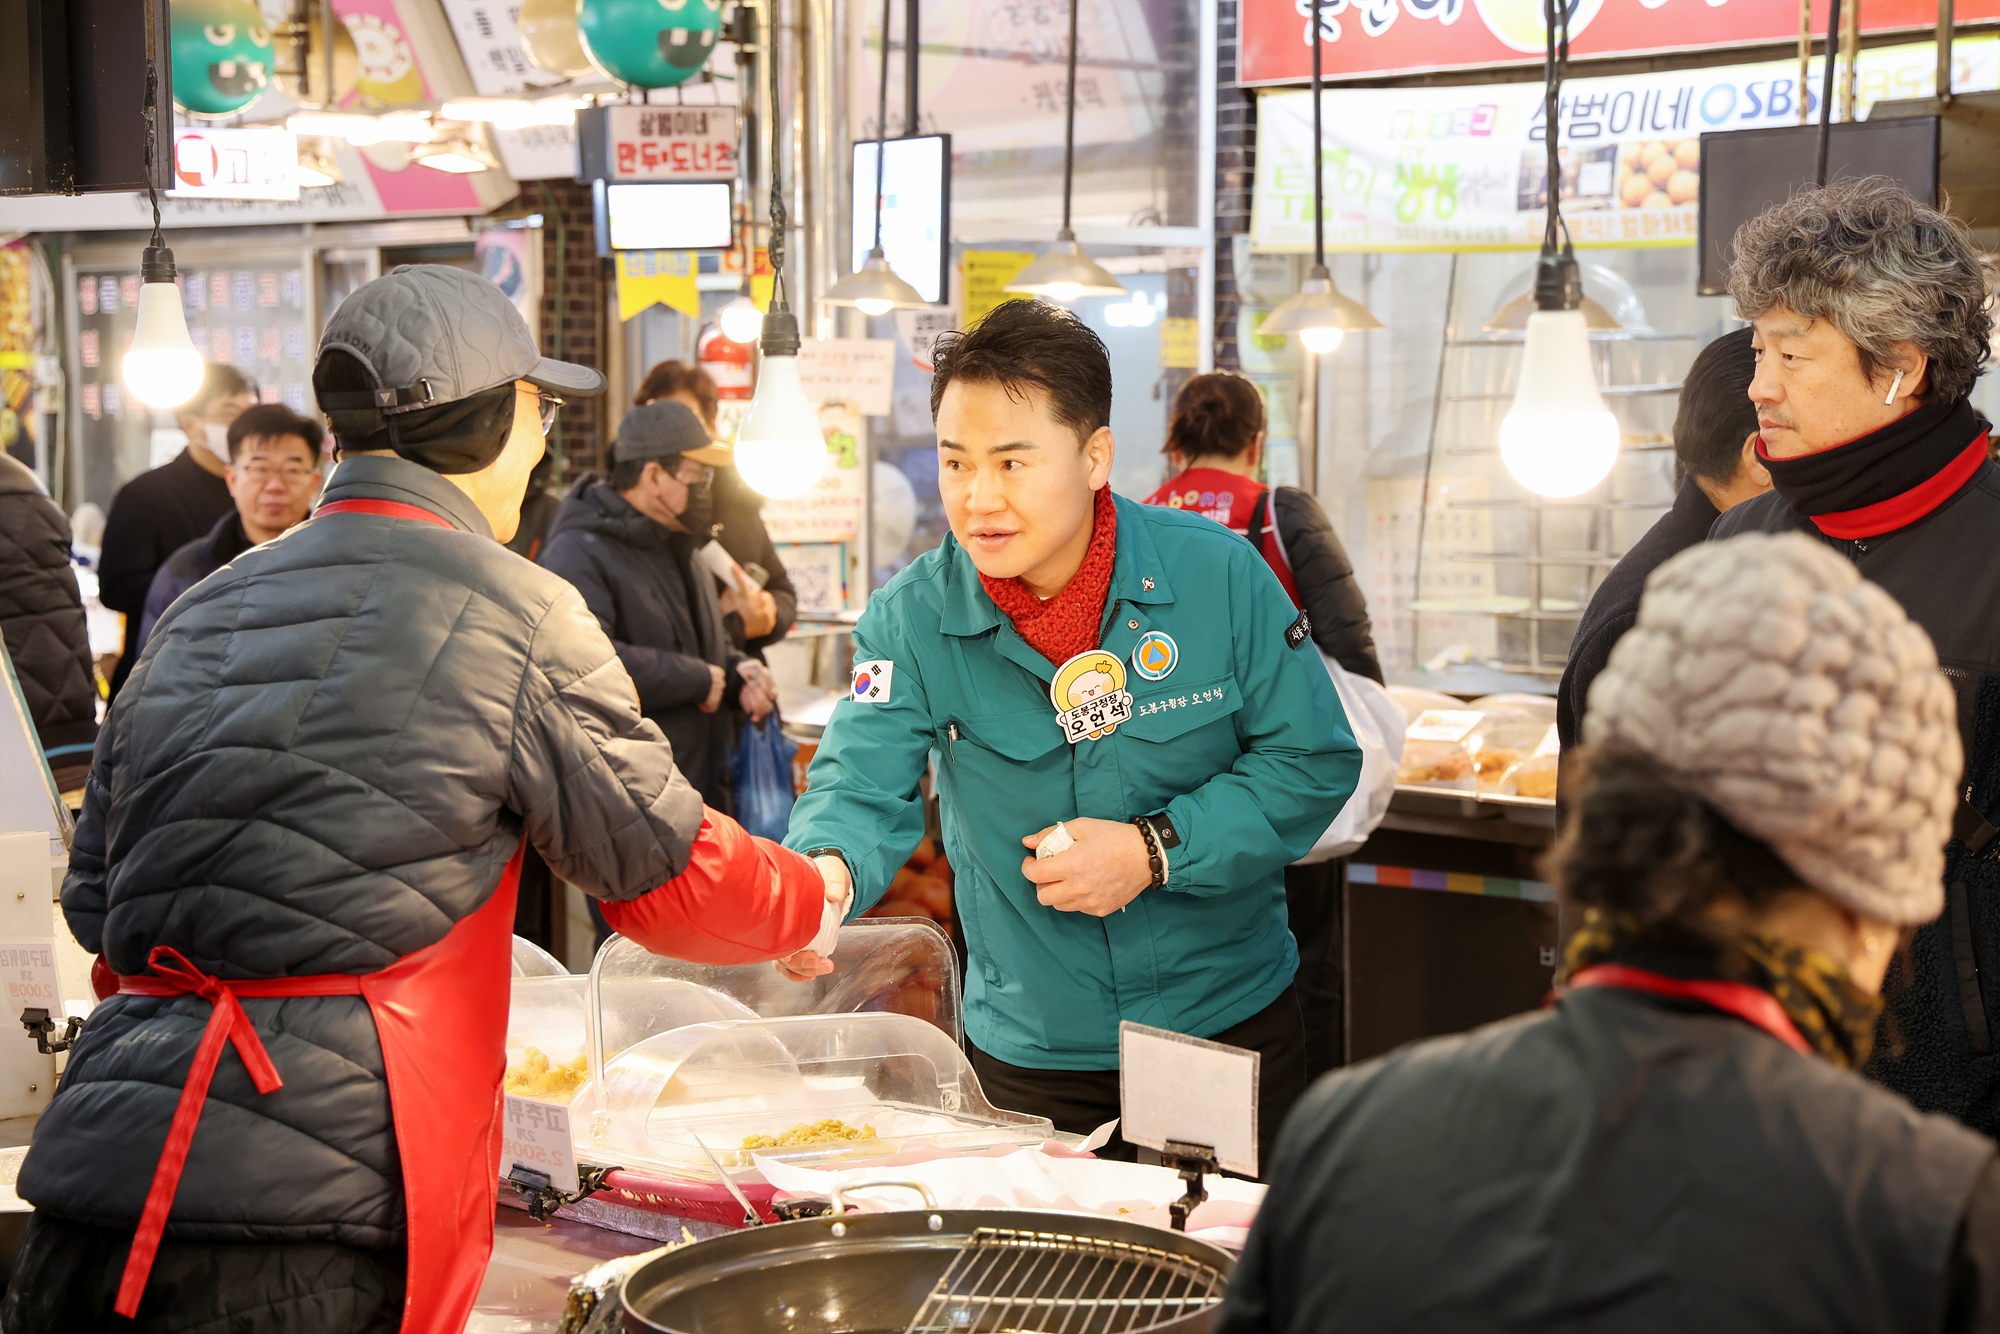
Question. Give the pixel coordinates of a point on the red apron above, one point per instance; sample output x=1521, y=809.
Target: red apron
x=441, y=1017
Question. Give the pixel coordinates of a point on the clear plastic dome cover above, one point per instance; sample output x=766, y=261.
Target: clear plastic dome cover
x=531, y=960
x=806, y=1089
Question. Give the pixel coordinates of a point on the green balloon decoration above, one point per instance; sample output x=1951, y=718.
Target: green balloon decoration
x=222, y=55
x=649, y=43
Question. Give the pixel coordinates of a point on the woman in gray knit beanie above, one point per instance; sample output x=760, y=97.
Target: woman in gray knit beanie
x=1679, y=1140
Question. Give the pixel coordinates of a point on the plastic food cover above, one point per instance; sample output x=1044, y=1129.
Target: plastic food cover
x=891, y=1082
x=896, y=965
x=531, y=960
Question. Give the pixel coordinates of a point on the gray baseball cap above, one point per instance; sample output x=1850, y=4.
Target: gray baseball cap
x=432, y=334
x=663, y=427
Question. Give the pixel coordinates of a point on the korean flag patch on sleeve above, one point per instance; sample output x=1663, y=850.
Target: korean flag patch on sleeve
x=871, y=682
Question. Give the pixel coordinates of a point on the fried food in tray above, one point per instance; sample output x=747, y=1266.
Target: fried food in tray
x=537, y=1077
x=831, y=1131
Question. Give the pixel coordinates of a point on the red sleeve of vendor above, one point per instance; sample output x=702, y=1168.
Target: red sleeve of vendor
x=741, y=900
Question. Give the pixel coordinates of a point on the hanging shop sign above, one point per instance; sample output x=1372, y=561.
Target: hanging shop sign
x=859, y=371
x=665, y=277
x=217, y=163
x=1363, y=38
x=489, y=37
x=641, y=143
x=1464, y=168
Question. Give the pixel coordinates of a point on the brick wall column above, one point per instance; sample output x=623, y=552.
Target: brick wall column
x=1235, y=162
x=575, y=298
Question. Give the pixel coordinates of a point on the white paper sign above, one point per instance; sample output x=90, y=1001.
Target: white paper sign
x=860, y=371
x=215, y=162
x=920, y=330
x=536, y=1137
x=28, y=972
x=489, y=37
x=1174, y=1087
x=1444, y=724
x=818, y=574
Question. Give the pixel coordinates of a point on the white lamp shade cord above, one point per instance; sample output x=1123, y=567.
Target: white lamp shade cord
x=780, y=450
x=162, y=368
x=1558, y=439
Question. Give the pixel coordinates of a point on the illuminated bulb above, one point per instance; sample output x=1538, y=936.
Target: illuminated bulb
x=1063, y=292
x=1324, y=339
x=869, y=305
x=780, y=451
x=741, y=321
x=162, y=367
x=1558, y=439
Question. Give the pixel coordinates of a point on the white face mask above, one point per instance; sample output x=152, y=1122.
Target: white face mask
x=215, y=439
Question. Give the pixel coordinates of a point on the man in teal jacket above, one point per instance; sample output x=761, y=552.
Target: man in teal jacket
x=1134, y=673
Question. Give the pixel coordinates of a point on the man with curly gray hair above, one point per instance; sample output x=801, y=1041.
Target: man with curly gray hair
x=1870, y=322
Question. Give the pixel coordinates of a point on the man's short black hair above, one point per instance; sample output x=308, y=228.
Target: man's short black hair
x=1023, y=344
x=273, y=421
x=217, y=381
x=1716, y=415
x=625, y=473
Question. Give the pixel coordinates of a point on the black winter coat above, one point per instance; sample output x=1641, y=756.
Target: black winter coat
x=189, y=566
x=1330, y=594
x=1945, y=571
x=41, y=617
x=328, y=752
x=152, y=516
x=660, y=612
x=1618, y=1162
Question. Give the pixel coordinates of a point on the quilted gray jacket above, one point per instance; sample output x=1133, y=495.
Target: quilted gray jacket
x=327, y=752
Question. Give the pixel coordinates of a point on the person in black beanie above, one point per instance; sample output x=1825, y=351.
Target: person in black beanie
x=1871, y=327
x=1716, y=469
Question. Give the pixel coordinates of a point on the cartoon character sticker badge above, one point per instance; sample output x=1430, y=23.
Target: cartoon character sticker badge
x=1090, y=696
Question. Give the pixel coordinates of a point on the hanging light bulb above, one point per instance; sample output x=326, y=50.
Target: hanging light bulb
x=1319, y=314
x=874, y=288
x=780, y=450
x=740, y=320
x=1557, y=439
x=161, y=367
x=1064, y=272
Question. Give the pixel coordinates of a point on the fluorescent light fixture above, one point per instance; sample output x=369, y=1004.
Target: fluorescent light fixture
x=410, y=127
x=514, y=113
x=316, y=169
x=461, y=157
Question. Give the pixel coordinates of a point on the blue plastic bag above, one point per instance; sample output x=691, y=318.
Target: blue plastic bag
x=763, y=773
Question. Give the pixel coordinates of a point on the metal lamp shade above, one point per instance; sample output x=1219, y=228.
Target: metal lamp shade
x=1064, y=273
x=1318, y=306
x=875, y=288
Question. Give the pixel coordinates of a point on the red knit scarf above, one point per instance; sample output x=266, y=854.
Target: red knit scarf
x=1070, y=622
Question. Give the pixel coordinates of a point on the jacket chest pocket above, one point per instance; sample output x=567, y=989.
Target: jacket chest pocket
x=1020, y=737
x=1167, y=714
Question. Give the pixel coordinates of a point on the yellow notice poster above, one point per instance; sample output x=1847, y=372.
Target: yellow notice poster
x=987, y=273
x=665, y=276
x=1178, y=338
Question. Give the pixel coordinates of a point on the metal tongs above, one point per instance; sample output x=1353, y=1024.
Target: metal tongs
x=751, y=1218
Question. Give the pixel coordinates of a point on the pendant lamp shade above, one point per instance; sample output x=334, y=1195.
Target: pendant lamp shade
x=1065, y=273
x=1513, y=317
x=874, y=288
x=1319, y=314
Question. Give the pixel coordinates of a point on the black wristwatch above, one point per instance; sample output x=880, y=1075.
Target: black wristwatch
x=829, y=852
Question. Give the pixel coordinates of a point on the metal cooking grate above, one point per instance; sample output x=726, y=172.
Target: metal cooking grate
x=1005, y=1281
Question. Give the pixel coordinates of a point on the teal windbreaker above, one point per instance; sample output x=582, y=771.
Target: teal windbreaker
x=1241, y=741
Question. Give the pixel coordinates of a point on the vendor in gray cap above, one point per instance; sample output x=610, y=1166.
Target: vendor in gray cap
x=628, y=543
x=298, y=855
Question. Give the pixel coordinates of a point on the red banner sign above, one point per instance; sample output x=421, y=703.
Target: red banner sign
x=1377, y=38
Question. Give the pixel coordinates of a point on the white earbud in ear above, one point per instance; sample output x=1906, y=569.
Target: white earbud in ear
x=1893, y=387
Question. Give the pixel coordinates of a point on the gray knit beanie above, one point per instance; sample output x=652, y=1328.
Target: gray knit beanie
x=1797, y=699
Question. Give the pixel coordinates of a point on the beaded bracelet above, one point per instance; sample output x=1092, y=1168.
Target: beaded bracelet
x=1155, y=858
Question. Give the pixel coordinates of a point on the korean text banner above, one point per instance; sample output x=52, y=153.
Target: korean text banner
x=1464, y=168
x=1362, y=38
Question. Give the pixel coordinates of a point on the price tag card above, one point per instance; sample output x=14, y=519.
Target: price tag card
x=1174, y=1087
x=1444, y=724
x=28, y=971
x=536, y=1137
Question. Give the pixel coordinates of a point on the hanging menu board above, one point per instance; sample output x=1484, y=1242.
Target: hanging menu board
x=251, y=315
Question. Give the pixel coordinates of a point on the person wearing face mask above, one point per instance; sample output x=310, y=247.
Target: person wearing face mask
x=158, y=512
x=627, y=542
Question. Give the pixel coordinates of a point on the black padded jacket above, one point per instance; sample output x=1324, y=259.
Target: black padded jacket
x=1329, y=593
x=328, y=751
x=41, y=616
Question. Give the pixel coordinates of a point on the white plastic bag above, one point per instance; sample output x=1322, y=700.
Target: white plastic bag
x=1378, y=723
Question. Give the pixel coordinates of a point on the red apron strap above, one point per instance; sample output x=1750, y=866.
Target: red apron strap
x=173, y=975
x=1750, y=1004
x=388, y=509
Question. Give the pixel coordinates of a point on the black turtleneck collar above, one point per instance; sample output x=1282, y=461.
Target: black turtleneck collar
x=1887, y=479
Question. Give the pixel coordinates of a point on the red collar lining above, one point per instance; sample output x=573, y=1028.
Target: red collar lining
x=1748, y=1003
x=1900, y=511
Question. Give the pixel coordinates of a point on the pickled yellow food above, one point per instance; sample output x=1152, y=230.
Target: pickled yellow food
x=810, y=1132
x=536, y=1077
